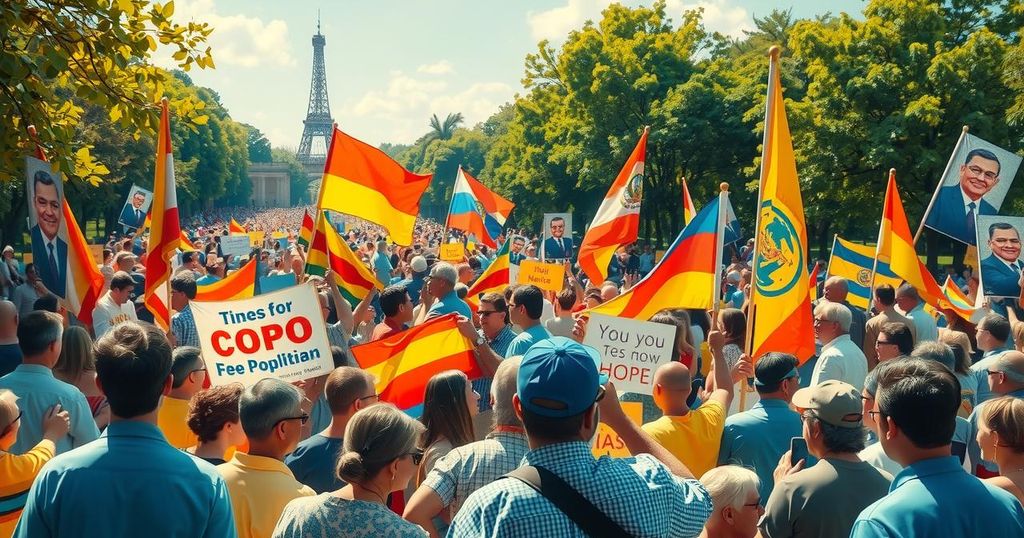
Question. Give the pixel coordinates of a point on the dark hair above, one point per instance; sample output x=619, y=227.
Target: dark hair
x=47, y=303
x=188, y=257
x=984, y=154
x=1000, y=226
x=392, y=298
x=339, y=357
x=996, y=325
x=554, y=429
x=133, y=361
x=344, y=385
x=37, y=330
x=184, y=360
x=922, y=397
x=699, y=318
x=184, y=282
x=665, y=317
x=768, y=365
x=531, y=299
x=44, y=177
x=885, y=294
x=209, y=410
x=899, y=334
x=121, y=280
x=474, y=263
x=566, y=298
x=446, y=411
x=498, y=301
x=734, y=325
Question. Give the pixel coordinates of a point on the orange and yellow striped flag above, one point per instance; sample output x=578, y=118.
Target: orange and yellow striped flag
x=238, y=285
x=896, y=246
x=780, y=302
x=235, y=228
x=494, y=279
x=362, y=181
x=329, y=251
x=689, y=210
x=165, y=232
x=186, y=243
x=306, y=231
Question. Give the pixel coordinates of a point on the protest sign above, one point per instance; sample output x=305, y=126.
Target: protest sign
x=451, y=252
x=631, y=350
x=546, y=276
x=276, y=282
x=133, y=214
x=278, y=234
x=607, y=442
x=280, y=335
x=97, y=252
x=237, y=245
x=256, y=239
x=470, y=246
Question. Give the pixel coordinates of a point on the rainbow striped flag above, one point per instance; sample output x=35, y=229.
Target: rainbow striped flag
x=403, y=363
x=328, y=250
x=495, y=278
x=306, y=231
x=238, y=285
x=957, y=301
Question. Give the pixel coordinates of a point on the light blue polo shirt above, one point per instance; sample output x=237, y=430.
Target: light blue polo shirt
x=448, y=304
x=527, y=338
x=937, y=498
x=757, y=438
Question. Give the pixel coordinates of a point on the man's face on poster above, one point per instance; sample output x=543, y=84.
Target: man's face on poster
x=1005, y=244
x=557, y=227
x=517, y=245
x=138, y=199
x=978, y=176
x=46, y=202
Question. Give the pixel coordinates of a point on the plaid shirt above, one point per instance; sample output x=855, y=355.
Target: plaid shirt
x=638, y=493
x=471, y=467
x=499, y=345
x=183, y=326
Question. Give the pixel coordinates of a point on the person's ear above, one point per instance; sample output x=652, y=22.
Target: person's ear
x=168, y=384
x=729, y=514
x=517, y=406
x=891, y=429
x=590, y=420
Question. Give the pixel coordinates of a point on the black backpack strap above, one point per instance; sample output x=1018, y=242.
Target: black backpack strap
x=572, y=503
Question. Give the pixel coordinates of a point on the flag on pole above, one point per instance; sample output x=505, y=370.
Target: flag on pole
x=495, y=278
x=240, y=284
x=957, y=301
x=329, y=251
x=896, y=246
x=854, y=262
x=477, y=210
x=362, y=181
x=306, y=231
x=235, y=228
x=186, y=243
x=684, y=278
x=618, y=219
x=780, y=302
x=165, y=229
x=689, y=211
x=812, y=283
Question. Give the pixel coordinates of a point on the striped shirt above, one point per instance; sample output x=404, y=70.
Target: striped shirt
x=183, y=326
x=499, y=345
x=638, y=493
x=470, y=467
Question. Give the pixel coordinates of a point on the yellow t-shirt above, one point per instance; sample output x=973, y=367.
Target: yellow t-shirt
x=259, y=487
x=694, y=438
x=16, y=475
x=173, y=422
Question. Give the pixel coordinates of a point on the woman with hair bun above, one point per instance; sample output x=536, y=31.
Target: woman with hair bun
x=379, y=456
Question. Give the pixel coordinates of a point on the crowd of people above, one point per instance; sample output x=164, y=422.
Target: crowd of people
x=902, y=424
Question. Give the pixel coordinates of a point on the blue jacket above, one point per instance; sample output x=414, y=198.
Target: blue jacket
x=949, y=215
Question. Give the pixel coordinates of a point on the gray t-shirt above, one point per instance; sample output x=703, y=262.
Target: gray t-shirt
x=824, y=500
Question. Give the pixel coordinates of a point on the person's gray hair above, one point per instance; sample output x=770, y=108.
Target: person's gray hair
x=374, y=437
x=729, y=485
x=838, y=281
x=502, y=388
x=266, y=403
x=839, y=440
x=445, y=271
x=836, y=312
x=908, y=291
x=936, y=351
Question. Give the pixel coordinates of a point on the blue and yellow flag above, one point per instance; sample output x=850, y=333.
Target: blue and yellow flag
x=853, y=262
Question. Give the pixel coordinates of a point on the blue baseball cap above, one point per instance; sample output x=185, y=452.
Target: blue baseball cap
x=559, y=378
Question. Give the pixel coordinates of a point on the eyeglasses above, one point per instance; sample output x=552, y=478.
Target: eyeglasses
x=993, y=372
x=485, y=313
x=203, y=369
x=304, y=418
x=881, y=343
x=10, y=426
x=512, y=306
x=374, y=395
x=979, y=171
x=875, y=414
x=417, y=456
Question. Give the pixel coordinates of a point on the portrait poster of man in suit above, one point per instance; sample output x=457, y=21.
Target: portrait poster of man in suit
x=133, y=215
x=557, y=246
x=975, y=186
x=999, y=251
x=46, y=224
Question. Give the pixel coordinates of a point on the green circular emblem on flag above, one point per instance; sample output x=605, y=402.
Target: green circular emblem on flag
x=780, y=256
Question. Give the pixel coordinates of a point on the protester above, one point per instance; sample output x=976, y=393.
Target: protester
x=738, y=507
x=993, y=333
x=10, y=353
x=115, y=306
x=259, y=482
x=9, y=277
x=380, y=260
x=440, y=297
x=25, y=294
x=732, y=323
x=817, y=501
x=40, y=338
x=77, y=366
x=525, y=311
x=168, y=491
x=1001, y=438
x=915, y=407
x=449, y=405
x=562, y=323
x=840, y=358
x=213, y=419
x=836, y=290
x=912, y=306
x=468, y=468
x=757, y=438
x=961, y=346
x=18, y=471
x=873, y=452
x=189, y=372
x=379, y=457
x=314, y=460
x=416, y=279
x=397, y=307
x=1005, y=377
x=183, y=323
x=559, y=391
x=894, y=340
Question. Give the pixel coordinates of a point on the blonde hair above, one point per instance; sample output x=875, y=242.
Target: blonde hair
x=729, y=485
x=1017, y=329
x=75, y=354
x=1005, y=416
x=960, y=343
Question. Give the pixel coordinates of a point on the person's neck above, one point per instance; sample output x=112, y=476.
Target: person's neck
x=1009, y=462
x=778, y=395
x=37, y=361
x=915, y=455
x=213, y=449
x=266, y=450
x=6, y=339
x=536, y=442
x=336, y=429
x=527, y=323
x=1007, y=388
x=842, y=456
x=147, y=418
x=676, y=409
x=716, y=527
x=492, y=333
x=181, y=393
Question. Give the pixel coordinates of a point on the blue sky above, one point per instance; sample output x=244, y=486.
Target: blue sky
x=393, y=63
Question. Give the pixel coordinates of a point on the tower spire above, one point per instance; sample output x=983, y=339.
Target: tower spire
x=318, y=125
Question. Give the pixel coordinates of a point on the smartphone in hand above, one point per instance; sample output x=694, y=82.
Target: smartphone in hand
x=797, y=450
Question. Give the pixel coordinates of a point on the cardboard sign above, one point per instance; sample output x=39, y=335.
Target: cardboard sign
x=280, y=335
x=278, y=235
x=236, y=245
x=470, y=246
x=97, y=252
x=607, y=442
x=631, y=350
x=256, y=239
x=274, y=283
x=451, y=252
x=546, y=276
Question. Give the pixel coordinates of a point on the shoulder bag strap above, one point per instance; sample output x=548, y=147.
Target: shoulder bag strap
x=572, y=503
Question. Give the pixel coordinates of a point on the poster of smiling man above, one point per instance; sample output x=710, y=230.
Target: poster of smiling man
x=999, y=252
x=47, y=228
x=557, y=246
x=975, y=184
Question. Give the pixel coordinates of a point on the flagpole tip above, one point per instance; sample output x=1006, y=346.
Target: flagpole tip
x=723, y=186
x=966, y=128
x=774, y=52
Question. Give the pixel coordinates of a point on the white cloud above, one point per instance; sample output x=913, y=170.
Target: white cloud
x=239, y=39
x=719, y=15
x=556, y=23
x=443, y=67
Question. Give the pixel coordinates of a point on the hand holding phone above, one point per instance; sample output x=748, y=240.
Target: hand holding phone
x=797, y=451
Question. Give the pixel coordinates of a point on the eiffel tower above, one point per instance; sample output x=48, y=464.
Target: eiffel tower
x=318, y=125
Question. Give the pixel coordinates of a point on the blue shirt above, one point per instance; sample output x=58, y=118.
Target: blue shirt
x=980, y=371
x=382, y=267
x=130, y=482
x=10, y=358
x=979, y=466
x=757, y=438
x=527, y=338
x=638, y=493
x=448, y=304
x=314, y=461
x=183, y=327
x=37, y=391
x=414, y=286
x=936, y=498
x=499, y=345
x=207, y=279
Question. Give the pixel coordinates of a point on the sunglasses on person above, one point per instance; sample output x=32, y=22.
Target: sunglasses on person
x=485, y=313
x=417, y=456
x=10, y=426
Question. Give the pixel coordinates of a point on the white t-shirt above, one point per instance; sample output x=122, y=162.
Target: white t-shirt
x=108, y=313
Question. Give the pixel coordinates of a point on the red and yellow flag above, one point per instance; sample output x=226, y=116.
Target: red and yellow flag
x=618, y=219
x=329, y=251
x=235, y=228
x=165, y=232
x=689, y=210
x=362, y=181
x=494, y=279
x=780, y=301
x=306, y=231
x=896, y=246
x=186, y=243
x=238, y=285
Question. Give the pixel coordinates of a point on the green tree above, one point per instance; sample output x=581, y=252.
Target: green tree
x=443, y=130
x=259, y=146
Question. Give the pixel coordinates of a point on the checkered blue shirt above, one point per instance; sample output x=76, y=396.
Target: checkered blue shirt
x=638, y=493
x=470, y=467
x=183, y=327
x=499, y=345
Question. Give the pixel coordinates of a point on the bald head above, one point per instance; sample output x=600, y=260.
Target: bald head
x=672, y=388
x=8, y=320
x=609, y=291
x=1011, y=368
x=836, y=289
